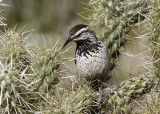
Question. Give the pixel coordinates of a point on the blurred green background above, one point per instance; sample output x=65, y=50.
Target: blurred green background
x=46, y=16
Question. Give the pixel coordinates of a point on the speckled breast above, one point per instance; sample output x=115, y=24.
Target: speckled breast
x=93, y=62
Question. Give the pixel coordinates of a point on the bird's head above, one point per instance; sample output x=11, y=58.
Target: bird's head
x=81, y=33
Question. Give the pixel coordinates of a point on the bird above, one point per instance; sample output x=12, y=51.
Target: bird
x=91, y=55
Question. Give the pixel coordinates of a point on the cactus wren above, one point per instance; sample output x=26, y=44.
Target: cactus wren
x=91, y=56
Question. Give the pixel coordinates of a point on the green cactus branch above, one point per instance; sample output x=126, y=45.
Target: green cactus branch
x=13, y=47
x=119, y=99
x=78, y=101
x=2, y=19
x=46, y=65
x=155, y=37
x=112, y=20
x=15, y=96
x=27, y=77
x=128, y=90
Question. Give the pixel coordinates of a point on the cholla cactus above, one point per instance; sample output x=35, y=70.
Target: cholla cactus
x=135, y=87
x=16, y=96
x=1, y=10
x=13, y=46
x=155, y=37
x=112, y=19
x=46, y=66
x=129, y=90
x=17, y=91
x=78, y=101
x=152, y=101
x=112, y=22
x=24, y=72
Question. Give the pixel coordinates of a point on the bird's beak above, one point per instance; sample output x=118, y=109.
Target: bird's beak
x=69, y=40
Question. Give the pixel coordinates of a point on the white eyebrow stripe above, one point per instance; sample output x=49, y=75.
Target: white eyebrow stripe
x=81, y=30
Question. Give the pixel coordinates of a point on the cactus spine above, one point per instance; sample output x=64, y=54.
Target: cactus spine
x=112, y=20
x=21, y=76
x=46, y=65
x=129, y=90
x=78, y=101
x=13, y=47
x=155, y=37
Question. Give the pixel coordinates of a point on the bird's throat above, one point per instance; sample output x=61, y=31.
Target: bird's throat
x=86, y=48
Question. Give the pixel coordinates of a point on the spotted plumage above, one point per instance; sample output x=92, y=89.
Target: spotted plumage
x=92, y=58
